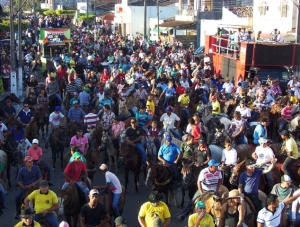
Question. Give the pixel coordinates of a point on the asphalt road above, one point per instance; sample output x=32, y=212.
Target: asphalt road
x=132, y=205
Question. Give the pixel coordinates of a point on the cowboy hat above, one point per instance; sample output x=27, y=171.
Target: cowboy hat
x=155, y=197
x=26, y=213
x=233, y=194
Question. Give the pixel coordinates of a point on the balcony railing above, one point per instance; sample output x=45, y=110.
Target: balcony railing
x=186, y=15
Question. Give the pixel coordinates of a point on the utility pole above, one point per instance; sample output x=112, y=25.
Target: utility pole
x=13, y=73
x=20, y=73
x=157, y=21
x=36, y=37
x=298, y=23
x=145, y=19
x=95, y=11
x=87, y=10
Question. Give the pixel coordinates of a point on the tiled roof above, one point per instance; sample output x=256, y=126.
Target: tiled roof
x=241, y=11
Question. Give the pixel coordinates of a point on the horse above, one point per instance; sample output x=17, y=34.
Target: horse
x=72, y=203
x=13, y=98
x=41, y=116
x=124, y=114
x=95, y=136
x=181, y=114
x=62, y=86
x=130, y=155
x=162, y=176
x=151, y=149
x=53, y=102
x=107, y=142
x=58, y=141
x=31, y=131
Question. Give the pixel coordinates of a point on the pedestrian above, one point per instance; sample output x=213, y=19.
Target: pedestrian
x=152, y=209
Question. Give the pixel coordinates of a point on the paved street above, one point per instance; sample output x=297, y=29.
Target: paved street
x=133, y=200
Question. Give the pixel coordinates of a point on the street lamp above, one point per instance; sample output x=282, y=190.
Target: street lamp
x=145, y=18
x=157, y=20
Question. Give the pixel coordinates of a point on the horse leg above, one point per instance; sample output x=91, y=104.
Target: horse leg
x=136, y=178
x=8, y=172
x=183, y=195
x=62, y=158
x=174, y=197
x=115, y=157
x=126, y=178
x=167, y=195
x=110, y=161
x=53, y=159
x=75, y=219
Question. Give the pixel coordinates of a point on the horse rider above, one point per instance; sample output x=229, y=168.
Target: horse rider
x=152, y=209
x=244, y=110
x=238, y=127
x=107, y=100
x=93, y=213
x=45, y=204
x=31, y=100
x=169, y=91
x=80, y=141
x=216, y=108
x=29, y=176
x=71, y=88
x=184, y=101
x=91, y=119
x=134, y=137
x=25, y=116
x=249, y=181
x=27, y=219
x=285, y=190
x=200, y=217
x=202, y=154
x=143, y=118
x=260, y=131
x=271, y=214
x=56, y=118
x=259, y=105
x=290, y=147
x=3, y=130
x=187, y=148
x=36, y=153
x=73, y=172
x=209, y=180
x=169, y=120
x=85, y=97
x=31, y=86
x=170, y=154
x=52, y=89
x=229, y=158
x=19, y=134
x=76, y=114
x=286, y=116
x=243, y=96
x=275, y=88
x=107, y=119
x=264, y=156
x=112, y=183
x=9, y=110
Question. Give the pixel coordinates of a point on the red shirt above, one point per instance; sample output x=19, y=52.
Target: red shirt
x=35, y=154
x=196, y=133
x=74, y=170
x=287, y=112
x=120, y=76
x=104, y=78
x=61, y=73
x=180, y=90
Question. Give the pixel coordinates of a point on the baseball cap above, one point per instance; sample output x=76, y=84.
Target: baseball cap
x=285, y=133
x=213, y=97
x=35, y=141
x=168, y=138
x=286, y=178
x=32, y=76
x=262, y=140
x=28, y=158
x=250, y=162
x=43, y=184
x=77, y=155
x=242, y=101
x=200, y=205
x=168, y=108
x=213, y=162
x=94, y=191
x=103, y=167
x=57, y=108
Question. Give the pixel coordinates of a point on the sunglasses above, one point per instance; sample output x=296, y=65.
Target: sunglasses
x=80, y=131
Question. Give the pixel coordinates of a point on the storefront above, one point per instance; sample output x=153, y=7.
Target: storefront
x=55, y=41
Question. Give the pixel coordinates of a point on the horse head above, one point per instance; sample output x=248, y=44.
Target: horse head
x=236, y=172
x=151, y=173
x=13, y=98
x=67, y=195
x=96, y=156
x=104, y=140
x=123, y=136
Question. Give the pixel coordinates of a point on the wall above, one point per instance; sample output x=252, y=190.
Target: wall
x=272, y=19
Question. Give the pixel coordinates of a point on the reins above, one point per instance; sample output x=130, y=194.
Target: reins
x=164, y=182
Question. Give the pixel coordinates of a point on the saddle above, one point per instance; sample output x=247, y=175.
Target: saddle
x=82, y=195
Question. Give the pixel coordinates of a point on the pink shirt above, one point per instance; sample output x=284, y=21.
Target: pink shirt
x=83, y=141
x=35, y=154
x=117, y=128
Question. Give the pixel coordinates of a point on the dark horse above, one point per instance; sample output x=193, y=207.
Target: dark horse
x=162, y=176
x=58, y=142
x=41, y=116
x=130, y=156
x=72, y=203
x=13, y=98
x=53, y=102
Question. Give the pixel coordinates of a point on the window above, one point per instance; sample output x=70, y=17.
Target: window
x=263, y=10
x=284, y=9
x=206, y=5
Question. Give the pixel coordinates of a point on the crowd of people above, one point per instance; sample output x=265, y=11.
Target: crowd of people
x=108, y=79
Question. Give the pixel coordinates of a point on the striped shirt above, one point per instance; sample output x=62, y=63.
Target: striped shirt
x=270, y=219
x=286, y=112
x=142, y=118
x=91, y=120
x=73, y=87
x=108, y=101
x=209, y=180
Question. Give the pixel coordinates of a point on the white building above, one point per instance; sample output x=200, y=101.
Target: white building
x=270, y=14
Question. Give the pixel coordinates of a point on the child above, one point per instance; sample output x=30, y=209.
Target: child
x=148, y=110
x=155, y=132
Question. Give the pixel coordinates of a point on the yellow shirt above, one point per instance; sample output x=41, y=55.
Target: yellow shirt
x=43, y=201
x=291, y=145
x=184, y=100
x=206, y=221
x=216, y=105
x=294, y=99
x=20, y=224
x=72, y=63
x=152, y=105
x=147, y=211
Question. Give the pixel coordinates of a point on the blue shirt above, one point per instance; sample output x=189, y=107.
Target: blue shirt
x=84, y=98
x=169, y=91
x=142, y=118
x=162, y=86
x=108, y=101
x=169, y=153
x=220, y=86
x=29, y=177
x=9, y=110
x=18, y=135
x=76, y=114
x=25, y=117
x=259, y=131
x=251, y=183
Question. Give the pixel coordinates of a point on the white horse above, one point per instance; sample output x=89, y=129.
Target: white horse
x=123, y=111
x=107, y=142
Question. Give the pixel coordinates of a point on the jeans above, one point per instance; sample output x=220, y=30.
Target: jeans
x=255, y=200
x=289, y=213
x=187, y=113
x=254, y=116
x=145, y=129
x=50, y=131
x=143, y=101
x=282, y=125
x=18, y=199
x=167, y=98
x=142, y=152
x=50, y=218
x=240, y=139
x=59, y=99
x=288, y=162
x=115, y=201
x=133, y=110
x=2, y=196
x=175, y=170
x=173, y=131
x=204, y=99
x=85, y=189
x=27, y=142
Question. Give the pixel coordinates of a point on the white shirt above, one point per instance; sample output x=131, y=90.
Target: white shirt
x=228, y=87
x=263, y=154
x=209, y=180
x=270, y=219
x=114, y=183
x=293, y=85
x=2, y=128
x=206, y=59
x=100, y=96
x=297, y=93
x=168, y=121
x=54, y=118
x=245, y=112
x=295, y=211
x=185, y=84
x=229, y=157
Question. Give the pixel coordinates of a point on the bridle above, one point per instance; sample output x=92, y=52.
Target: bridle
x=164, y=182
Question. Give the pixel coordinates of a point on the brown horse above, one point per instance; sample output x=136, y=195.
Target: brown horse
x=31, y=131
x=244, y=151
x=72, y=203
x=58, y=140
x=62, y=86
x=130, y=156
x=162, y=176
x=41, y=116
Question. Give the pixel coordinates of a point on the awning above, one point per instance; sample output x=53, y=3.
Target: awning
x=176, y=23
x=160, y=29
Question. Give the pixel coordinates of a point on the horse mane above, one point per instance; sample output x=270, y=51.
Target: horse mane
x=185, y=169
x=240, y=167
x=206, y=196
